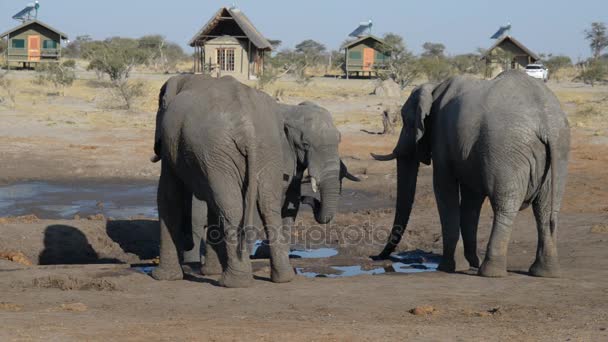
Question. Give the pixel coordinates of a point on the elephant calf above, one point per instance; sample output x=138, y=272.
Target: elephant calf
x=506, y=139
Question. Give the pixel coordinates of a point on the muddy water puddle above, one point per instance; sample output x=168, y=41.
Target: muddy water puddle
x=117, y=199
x=407, y=262
x=54, y=200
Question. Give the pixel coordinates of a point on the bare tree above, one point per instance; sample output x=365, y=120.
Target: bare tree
x=597, y=37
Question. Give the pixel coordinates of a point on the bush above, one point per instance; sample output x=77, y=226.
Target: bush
x=6, y=85
x=436, y=69
x=61, y=75
x=128, y=92
x=555, y=64
x=115, y=57
x=594, y=72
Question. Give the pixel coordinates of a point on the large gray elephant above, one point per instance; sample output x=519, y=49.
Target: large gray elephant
x=240, y=152
x=506, y=139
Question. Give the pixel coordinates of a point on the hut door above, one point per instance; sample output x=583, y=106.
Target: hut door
x=368, y=59
x=33, y=48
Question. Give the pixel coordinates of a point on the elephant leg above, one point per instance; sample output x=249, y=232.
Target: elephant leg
x=198, y=222
x=495, y=262
x=230, y=211
x=448, y=202
x=470, y=208
x=270, y=204
x=170, y=212
x=546, y=263
x=215, y=247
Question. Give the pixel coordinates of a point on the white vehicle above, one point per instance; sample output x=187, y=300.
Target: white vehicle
x=538, y=71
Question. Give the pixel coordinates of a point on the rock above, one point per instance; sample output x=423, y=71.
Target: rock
x=388, y=88
x=424, y=310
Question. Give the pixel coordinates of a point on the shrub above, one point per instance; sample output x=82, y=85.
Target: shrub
x=61, y=75
x=594, y=72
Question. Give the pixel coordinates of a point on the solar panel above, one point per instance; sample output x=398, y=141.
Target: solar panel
x=361, y=30
x=501, y=31
x=26, y=13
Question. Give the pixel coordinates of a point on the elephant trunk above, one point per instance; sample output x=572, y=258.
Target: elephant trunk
x=407, y=174
x=329, y=189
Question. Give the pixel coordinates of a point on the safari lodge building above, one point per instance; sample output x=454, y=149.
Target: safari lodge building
x=33, y=42
x=508, y=53
x=365, y=56
x=229, y=44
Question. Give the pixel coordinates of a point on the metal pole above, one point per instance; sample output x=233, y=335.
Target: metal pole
x=346, y=59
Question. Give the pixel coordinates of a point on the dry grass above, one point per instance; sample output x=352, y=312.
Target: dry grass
x=585, y=108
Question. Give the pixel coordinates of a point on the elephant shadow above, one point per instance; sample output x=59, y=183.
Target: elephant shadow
x=65, y=245
x=139, y=237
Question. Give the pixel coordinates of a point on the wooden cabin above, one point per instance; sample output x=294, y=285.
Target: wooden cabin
x=229, y=44
x=33, y=42
x=365, y=56
x=508, y=53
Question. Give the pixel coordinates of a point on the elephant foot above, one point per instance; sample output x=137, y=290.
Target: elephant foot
x=284, y=276
x=545, y=269
x=451, y=266
x=193, y=268
x=236, y=279
x=163, y=273
x=493, y=268
x=473, y=260
x=211, y=268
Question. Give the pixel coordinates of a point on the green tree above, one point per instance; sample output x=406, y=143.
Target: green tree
x=435, y=69
x=469, y=63
x=597, y=37
x=160, y=54
x=402, y=66
x=311, y=51
x=436, y=50
x=115, y=57
x=74, y=48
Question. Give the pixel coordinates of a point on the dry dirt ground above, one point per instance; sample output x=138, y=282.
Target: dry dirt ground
x=83, y=136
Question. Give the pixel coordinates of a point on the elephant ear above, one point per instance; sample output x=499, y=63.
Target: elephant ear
x=423, y=123
x=167, y=92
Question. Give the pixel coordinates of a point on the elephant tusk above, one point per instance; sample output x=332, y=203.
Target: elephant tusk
x=352, y=177
x=313, y=182
x=155, y=158
x=381, y=157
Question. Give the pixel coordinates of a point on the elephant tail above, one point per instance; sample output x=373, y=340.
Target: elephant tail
x=251, y=192
x=554, y=191
x=552, y=156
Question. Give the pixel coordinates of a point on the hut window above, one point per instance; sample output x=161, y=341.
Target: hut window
x=49, y=44
x=225, y=59
x=18, y=44
x=354, y=55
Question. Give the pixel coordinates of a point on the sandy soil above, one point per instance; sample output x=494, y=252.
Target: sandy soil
x=102, y=298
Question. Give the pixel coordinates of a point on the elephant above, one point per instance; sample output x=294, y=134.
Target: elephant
x=243, y=154
x=505, y=139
